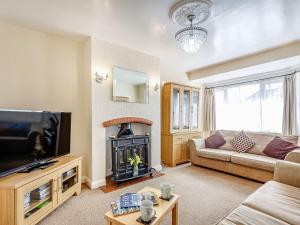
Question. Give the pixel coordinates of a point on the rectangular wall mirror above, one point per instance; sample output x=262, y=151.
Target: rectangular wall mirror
x=130, y=86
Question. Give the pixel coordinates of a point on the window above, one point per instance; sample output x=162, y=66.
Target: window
x=256, y=106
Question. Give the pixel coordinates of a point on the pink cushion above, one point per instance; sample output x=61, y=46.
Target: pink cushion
x=214, y=141
x=279, y=148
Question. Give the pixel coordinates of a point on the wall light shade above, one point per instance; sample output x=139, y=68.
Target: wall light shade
x=99, y=77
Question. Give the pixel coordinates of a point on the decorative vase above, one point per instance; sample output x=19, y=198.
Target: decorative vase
x=135, y=170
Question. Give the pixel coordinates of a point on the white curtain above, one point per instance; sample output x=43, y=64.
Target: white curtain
x=289, y=109
x=255, y=106
x=298, y=103
x=209, y=116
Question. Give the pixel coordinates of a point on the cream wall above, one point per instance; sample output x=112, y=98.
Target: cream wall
x=104, y=57
x=41, y=71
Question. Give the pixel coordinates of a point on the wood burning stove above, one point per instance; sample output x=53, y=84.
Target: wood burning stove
x=126, y=145
x=125, y=130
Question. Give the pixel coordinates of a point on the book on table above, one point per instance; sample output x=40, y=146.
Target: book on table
x=131, y=202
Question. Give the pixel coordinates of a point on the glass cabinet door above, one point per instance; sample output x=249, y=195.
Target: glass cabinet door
x=175, y=109
x=195, y=109
x=36, y=198
x=186, y=109
x=68, y=181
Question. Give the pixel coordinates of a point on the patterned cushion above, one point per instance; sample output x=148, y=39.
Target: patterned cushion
x=242, y=142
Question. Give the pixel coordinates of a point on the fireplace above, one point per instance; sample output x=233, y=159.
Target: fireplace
x=124, y=146
x=125, y=131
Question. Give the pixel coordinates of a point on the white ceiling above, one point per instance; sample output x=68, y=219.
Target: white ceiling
x=237, y=27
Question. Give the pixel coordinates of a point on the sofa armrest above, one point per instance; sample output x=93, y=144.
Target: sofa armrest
x=293, y=156
x=287, y=173
x=198, y=143
x=194, y=145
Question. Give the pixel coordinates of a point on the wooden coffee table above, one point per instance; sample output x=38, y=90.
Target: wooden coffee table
x=162, y=210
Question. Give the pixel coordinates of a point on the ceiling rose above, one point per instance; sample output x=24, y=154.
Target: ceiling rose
x=200, y=8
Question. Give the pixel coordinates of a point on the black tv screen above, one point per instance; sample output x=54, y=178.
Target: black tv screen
x=31, y=137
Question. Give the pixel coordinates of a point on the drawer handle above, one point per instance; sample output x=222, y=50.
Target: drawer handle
x=60, y=183
x=55, y=186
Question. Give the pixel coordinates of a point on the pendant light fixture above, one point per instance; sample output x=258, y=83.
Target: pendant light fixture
x=189, y=13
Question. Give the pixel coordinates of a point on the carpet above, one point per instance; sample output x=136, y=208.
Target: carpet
x=113, y=186
x=206, y=196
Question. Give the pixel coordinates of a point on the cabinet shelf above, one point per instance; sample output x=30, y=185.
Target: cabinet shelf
x=35, y=204
x=68, y=177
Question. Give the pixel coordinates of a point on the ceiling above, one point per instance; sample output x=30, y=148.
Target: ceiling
x=237, y=27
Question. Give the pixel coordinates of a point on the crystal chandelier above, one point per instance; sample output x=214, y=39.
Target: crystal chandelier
x=189, y=13
x=191, y=38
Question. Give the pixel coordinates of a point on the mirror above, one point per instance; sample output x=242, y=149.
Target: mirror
x=130, y=86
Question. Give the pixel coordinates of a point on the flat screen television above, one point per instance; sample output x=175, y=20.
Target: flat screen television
x=28, y=138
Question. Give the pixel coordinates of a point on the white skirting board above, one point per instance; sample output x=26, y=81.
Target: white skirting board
x=98, y=183
x=158, y=167
x=92, y=184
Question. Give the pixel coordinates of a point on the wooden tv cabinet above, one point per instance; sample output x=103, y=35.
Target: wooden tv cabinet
x=61, y=181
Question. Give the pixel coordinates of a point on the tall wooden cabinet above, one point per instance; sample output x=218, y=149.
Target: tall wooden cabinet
x=180, y=121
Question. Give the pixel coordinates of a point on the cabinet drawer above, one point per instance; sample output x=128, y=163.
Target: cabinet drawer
x=195, y=136
x=177, y=140
x=186, y=138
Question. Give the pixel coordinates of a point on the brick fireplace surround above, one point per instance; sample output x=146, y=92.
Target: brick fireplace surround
x=117, y=121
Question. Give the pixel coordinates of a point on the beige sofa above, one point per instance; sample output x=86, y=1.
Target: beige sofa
x=252, y=164
x=275, y=203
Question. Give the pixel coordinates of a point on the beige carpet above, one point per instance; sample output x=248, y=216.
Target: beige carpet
x=206, y=196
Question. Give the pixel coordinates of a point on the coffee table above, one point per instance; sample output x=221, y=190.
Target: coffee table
x=162, y=210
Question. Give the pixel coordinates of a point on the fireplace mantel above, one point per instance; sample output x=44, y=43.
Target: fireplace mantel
x=117, y=121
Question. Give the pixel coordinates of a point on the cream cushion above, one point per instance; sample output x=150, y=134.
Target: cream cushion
x=249, y=216
x=218, y=154
x=278, y=200
x=254, y=161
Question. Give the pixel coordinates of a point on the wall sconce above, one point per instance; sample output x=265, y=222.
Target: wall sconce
x=156, y=87
x=101, y=77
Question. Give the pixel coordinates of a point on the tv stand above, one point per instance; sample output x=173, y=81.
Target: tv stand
x=27, y=198
x=41, y=165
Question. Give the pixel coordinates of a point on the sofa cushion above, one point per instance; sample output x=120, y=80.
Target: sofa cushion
x=279, y=148
x=242, y=142
x=249, y=216
x=254, y=161
x=218, y=154
x=214, y=141
x=278, y=200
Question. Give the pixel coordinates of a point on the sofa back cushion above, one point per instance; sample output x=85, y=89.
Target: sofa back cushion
x=261, y=139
